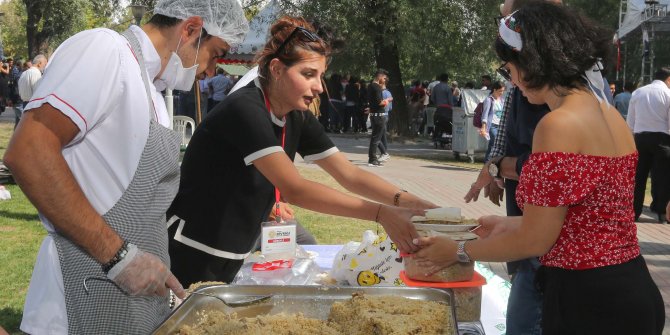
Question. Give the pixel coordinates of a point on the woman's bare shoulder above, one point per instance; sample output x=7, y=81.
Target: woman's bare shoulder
x=557, y=132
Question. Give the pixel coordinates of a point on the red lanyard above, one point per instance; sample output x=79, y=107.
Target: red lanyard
x=283, y=143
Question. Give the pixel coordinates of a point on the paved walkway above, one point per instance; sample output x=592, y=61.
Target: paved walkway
x=446, y=184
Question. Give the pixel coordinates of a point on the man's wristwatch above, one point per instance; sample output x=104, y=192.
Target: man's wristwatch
x=461, y=254
x=494, y=167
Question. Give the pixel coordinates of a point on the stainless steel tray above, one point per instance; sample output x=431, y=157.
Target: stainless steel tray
x=311, y=301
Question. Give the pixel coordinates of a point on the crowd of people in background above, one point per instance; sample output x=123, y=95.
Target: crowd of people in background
x=17, y=82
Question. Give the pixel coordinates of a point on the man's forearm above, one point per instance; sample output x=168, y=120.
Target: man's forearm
x=43, y=175
x=508, y=168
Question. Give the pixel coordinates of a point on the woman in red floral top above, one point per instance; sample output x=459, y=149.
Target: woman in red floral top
x=576, y=189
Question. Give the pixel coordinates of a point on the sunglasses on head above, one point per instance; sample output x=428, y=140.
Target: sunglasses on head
x=306, y=34
x=504, y=72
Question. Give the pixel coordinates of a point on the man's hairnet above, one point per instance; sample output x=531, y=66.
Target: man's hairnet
x=222, y=18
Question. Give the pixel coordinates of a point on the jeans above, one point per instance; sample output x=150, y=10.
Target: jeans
x=18, y=111
x=524, y=307
x=493, y=132
x=383, y=143
x=378, y=130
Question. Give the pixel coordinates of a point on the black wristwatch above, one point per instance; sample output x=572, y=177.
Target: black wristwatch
x=494, y=167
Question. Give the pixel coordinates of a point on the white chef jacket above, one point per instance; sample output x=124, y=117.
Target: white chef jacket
x=94, y=79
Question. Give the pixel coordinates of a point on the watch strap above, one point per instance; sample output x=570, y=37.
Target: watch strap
x=462, y=255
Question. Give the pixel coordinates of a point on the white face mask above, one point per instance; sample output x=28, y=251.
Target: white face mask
x=176, y=76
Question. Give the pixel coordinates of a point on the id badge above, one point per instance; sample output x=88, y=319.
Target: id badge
x=278, y=240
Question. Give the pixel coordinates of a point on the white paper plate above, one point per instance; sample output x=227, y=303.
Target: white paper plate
x=444, y=227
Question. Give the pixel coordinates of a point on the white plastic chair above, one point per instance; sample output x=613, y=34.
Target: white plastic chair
x=180, y=123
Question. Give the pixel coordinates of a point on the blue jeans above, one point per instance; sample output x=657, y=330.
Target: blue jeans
x=493, y=132
x=524, y=307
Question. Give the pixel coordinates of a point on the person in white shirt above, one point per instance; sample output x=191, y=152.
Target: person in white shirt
x=30, y=77
x=649, y=119
x=95, y=155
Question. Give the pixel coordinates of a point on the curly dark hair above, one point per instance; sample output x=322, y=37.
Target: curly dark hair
x=559, y=45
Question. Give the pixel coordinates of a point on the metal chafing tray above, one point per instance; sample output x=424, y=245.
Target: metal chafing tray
x=311, y=301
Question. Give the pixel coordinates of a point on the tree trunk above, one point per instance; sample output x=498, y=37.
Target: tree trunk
x=37, y=40
x=388, y=59
x=33, y=11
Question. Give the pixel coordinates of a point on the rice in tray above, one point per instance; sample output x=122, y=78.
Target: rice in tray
x=217, y=322
x=390, y=315
x=360, y=315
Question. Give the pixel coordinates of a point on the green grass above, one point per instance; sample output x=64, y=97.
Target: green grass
x=329, y=229
x=20, y=236
x=6, y=131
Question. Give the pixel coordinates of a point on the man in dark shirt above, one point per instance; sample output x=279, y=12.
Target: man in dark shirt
x=377, y=104
x=510, y=152
x=441, y=93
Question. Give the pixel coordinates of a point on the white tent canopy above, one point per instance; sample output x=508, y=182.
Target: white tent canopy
x=634, y=16
x=259, y=30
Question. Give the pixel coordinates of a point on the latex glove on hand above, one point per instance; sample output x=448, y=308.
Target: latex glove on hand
x=142, y=273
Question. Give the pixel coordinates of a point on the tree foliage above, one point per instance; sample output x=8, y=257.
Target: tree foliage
x=13, y=28
x=30, y=27
x=51, y=21
x=411, y=39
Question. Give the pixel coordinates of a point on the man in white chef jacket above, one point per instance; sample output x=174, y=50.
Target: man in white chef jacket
x=95, y=155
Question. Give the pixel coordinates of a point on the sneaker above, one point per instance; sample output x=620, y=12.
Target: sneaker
x=375, y=163
x=384, y=157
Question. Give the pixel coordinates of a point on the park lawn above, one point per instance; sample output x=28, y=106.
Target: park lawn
x=20, y=236
x=6, y=131
x=330, y=229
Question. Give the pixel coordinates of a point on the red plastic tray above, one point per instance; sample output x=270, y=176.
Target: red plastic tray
x=476, y=281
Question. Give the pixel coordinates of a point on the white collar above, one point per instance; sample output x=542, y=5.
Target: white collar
x=660, y=83
x=151, y=58
x=275, y=120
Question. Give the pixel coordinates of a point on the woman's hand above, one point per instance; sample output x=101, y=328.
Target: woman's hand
x=411, y=201
x=483, y=180
x=285, y=210
x=482, y=130
x=398, y=225
x=436, y=253
x=494, y=192
x=492, y=225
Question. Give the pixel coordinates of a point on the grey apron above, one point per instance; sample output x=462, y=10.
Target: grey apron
x=138, y=217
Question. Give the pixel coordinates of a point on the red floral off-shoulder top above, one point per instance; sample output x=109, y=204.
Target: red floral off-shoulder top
x=599, y=227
